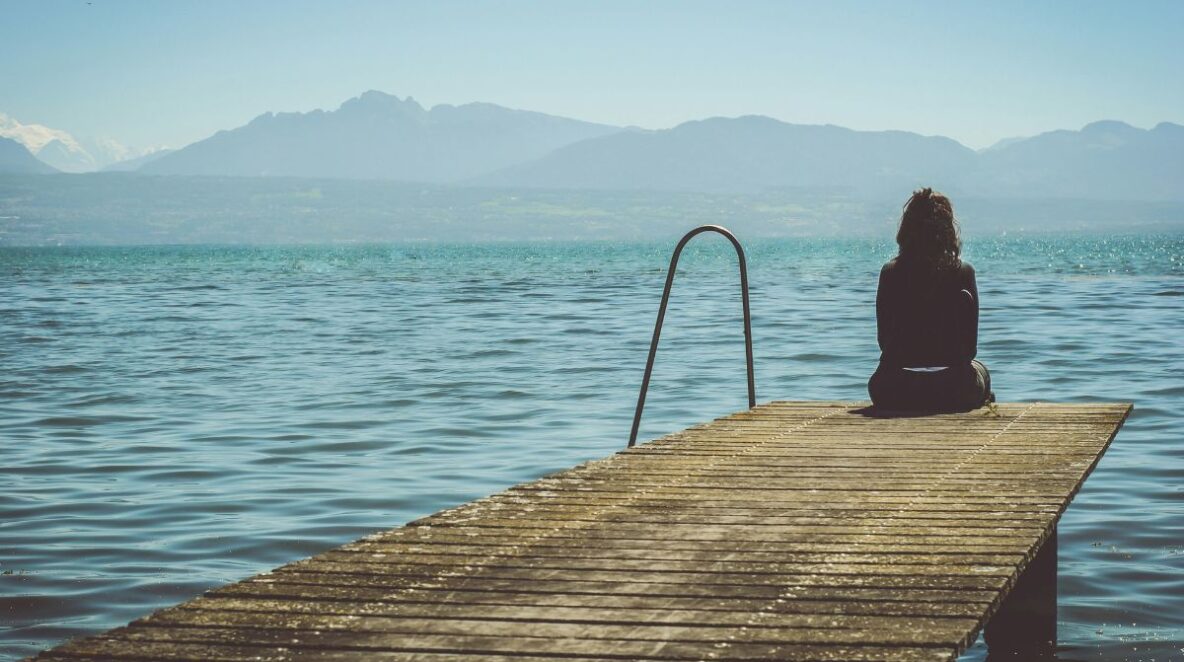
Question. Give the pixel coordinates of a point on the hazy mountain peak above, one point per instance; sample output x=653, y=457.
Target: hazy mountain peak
x=742, y=120
x=375, y=102
x=1110, y=127
x=1107, y=125
x=15, y=158
x=34, y=136
x=261, y=118
x=68, y=157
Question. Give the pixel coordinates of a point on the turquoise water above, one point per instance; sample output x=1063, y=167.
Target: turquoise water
x=177, y=418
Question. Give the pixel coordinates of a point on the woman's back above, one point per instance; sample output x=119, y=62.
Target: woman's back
x=926, y=316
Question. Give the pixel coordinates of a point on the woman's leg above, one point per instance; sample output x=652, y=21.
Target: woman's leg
x=881, y=390
x=894, y=388
x=969, y=387
x=985, y=375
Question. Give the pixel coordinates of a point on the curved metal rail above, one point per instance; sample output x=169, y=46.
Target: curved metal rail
x=649, y=364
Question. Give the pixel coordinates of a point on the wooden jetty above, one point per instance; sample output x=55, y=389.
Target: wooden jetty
x=791, y=531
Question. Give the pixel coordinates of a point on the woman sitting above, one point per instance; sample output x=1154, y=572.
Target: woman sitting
x=927, y=317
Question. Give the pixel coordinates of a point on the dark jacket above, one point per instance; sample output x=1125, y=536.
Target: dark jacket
x=923, y=318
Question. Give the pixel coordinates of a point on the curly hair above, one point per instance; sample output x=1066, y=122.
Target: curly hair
x=928, y=231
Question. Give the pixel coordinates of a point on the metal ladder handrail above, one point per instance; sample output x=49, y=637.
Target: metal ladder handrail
x=649, y=364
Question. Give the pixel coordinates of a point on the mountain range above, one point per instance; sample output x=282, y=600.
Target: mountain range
x=1104, y=160
x=64, y=151
x=379, y=136
x=745, y=154
x=382, y=137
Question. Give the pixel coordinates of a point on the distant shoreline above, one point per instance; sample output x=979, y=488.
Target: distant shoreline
x=129, y=209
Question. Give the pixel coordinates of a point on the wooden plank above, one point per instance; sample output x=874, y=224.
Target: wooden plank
x=578, y=593
x=443, y=604
x=794, y=531
x=421, y=649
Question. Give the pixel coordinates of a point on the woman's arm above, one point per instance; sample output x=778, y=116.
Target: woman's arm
x=884, y=312
x=970, y=337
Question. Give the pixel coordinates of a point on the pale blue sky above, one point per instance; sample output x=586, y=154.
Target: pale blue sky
x=148, y=73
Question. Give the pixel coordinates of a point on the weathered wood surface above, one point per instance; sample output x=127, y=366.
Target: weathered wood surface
x=793, y=531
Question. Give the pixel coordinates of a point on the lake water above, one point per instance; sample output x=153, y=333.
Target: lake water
x=173, y=419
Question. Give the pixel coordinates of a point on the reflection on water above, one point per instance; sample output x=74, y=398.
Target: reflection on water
x=177, y=418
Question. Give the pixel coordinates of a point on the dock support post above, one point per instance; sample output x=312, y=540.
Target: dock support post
x=1025, y=627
